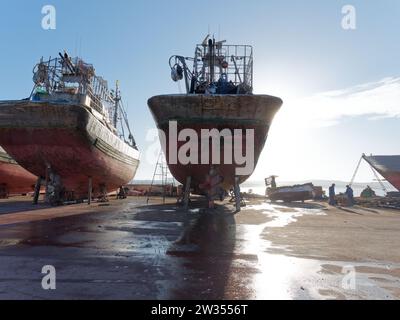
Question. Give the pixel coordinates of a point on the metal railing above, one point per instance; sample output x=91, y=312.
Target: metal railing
x=234, y=61
x=217, y=69
x=73, y=76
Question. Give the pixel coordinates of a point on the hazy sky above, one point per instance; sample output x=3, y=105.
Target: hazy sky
x=341, y=88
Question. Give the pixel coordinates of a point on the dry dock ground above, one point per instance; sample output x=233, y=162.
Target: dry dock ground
x=130, y=250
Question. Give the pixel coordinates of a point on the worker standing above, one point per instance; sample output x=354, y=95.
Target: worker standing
x=273, y=182
x=332, y=195
x=121, y=193
x=350, y=196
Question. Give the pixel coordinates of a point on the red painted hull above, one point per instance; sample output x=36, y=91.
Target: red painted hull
x=70, y=140
x=388, y=167
x=199, y=112
x=198, y=172
x=393, y=178
x=14, y=179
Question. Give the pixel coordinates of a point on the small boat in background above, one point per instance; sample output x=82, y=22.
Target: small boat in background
x=300, y=192
x=14, y=180
x=72, y=132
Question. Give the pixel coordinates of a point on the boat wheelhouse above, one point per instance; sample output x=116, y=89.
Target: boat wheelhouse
x=72, y=132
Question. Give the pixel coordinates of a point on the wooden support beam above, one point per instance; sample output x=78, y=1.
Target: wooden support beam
x=37, y=191
x=47, y=178
x=238, y=198
x=186, y=196
x=90, y=189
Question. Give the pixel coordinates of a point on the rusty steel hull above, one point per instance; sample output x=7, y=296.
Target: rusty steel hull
x=13, y=178
x=219, y=112
x=71, y=141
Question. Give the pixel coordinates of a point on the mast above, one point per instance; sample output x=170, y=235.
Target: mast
x=211, y=44
x=117, y=99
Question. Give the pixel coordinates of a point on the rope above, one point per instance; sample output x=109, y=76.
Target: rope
x=379, y=180
x=179, y=87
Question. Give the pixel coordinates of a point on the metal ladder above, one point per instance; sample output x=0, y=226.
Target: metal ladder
x=161, y=173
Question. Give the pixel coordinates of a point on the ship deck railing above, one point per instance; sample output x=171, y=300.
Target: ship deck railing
x=240, y=63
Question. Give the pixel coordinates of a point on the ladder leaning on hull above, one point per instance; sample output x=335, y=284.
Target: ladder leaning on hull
x=161, y=173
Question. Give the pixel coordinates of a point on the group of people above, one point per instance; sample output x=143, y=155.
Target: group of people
x=349, y=194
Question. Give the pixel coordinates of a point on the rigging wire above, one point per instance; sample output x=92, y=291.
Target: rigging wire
x=373, y=171
x=379, y=180
x=179, y=87
x=125, y=117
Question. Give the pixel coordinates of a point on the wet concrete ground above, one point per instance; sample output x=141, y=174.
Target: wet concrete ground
x=128, y=250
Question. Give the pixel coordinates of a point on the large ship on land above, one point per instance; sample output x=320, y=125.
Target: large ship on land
x=219, y=95
x=72, y=131
x=14, y=179
x=387, y=166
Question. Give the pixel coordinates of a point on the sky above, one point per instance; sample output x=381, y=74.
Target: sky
x=341, y=88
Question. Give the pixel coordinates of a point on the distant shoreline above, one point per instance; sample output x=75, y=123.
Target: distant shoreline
x=258, y=187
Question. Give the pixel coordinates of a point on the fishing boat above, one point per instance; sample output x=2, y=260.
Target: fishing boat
x=14, y=179
x=388, y=167
x=219, y=96
x=72, y=131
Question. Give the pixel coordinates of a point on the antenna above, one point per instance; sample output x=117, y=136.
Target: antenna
x=76, y=46
x=117, y=101
x=205, y=41
x=80, y=47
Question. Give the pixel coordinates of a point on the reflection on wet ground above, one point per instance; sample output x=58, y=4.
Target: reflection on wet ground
x=12, y=206
x=278, y=276
x=133, y=251
x=316, y=279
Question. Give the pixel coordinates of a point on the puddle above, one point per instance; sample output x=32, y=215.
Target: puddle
x=282, y=277
x=9, y=242
x=283, y=216
x=145, y=225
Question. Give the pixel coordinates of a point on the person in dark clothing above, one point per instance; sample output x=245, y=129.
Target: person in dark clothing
x=332, y=195
x=368, y=193
x=350, y=196
x=121, y=193
x=273, y=182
